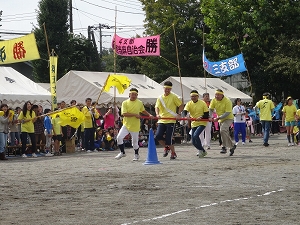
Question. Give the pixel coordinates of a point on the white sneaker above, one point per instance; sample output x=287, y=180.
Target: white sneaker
x=243, y=143
x=34, y=155
x=289, y=144
x=95, y=150
x=236, y=143
x=293, y=143
x=24, y=156
x=120, y=155
x=49, y=154
x=136, y=157
x=88, y=151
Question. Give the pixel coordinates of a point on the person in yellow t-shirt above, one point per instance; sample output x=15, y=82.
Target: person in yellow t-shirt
x=90, y=114
x=131, y=109
x=223, y=107
x=166, y=106
x=289, y=119
x=57, y=134
x=266, y=107
x=198, y=110
x=27, y=118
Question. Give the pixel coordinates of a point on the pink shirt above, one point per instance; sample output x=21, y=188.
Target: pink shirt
x=109, y=121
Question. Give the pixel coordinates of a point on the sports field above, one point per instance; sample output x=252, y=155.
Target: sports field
x=258, y=185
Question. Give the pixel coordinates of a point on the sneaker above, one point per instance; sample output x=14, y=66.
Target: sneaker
x=202, y=153
x=208, y=147
x=243, y=143
x=120, y=155
x=289, y=144
x=266, y=144
x=173, y=156
x=224, y=151
x=34, y=155
x=232, y=150
x=88, y=151
x=49, y=154
x=136, y=157
x=166, y=151
x=293, y=144
x=24, y=156
x=250, y=141
x=95, y=150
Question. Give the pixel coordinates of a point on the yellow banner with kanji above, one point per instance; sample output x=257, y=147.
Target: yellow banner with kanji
x=53, y=78
x=19, y=50
x=121, y=82
x=71, y=116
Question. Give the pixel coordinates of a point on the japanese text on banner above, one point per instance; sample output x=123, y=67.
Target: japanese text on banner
x=53, y=78
x=19, y=50
x=145, y=46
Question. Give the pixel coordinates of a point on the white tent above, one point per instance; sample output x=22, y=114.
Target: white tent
x=16, y=89
x=202, y=85
x=45, y=85
x=79, y=85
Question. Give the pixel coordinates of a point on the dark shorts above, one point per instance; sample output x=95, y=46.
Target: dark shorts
x=165, y=132
x=57, y=137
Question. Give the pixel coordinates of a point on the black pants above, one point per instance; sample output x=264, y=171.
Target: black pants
x=24, y=142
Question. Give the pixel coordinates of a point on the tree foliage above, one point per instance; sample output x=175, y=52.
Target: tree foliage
x=74, y=52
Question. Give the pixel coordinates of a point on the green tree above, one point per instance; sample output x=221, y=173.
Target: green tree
x=186, y=17
x=268, y=34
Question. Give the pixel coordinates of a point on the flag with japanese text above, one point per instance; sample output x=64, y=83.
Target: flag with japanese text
x=226, y=67
x=19, y=50
x=71, y=116
x=144, y=46
x=121, y=82
x=53, y=78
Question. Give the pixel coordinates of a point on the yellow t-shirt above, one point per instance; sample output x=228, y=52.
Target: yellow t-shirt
x=290, y=112
x=88, y=122
x=56, y=126
x=132, y=123
x=27, y=127
x=171, y=102
x=265, y=106
x=196, y=110
x=225, y=105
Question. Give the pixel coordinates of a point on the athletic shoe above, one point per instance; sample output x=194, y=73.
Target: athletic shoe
x=49, y=154
x=136, y=157
x=250, y=141
x=293, y=143
x=224, y=151
x=232, y=150
x=208, y=147
x=120, y=155
x=289, y=144
x=166, y=151
x=89, y=151
x=202, y=153
x=24, y=156
x=95, y=150
x=243, y=143
x=266, y=144
x=34, y=155
x=173, y=156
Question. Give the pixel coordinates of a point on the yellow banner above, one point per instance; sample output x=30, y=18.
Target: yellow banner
x=72, y=117
x=53, y=77
x=121, y=82
x=19, y=50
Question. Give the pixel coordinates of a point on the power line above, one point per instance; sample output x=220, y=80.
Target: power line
x=122, y=5
x=111, y=9
x=14, y=15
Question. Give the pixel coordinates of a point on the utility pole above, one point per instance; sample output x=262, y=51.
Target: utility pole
x=102, y=35
x=71, y=16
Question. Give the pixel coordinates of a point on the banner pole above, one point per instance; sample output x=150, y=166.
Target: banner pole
x=102, y=89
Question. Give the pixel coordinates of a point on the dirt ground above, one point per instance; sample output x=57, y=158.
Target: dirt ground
x=258, y=185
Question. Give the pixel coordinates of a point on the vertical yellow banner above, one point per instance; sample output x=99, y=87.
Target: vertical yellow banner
x=53, y=77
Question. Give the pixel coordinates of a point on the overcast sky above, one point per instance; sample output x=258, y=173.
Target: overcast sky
x=20, y=16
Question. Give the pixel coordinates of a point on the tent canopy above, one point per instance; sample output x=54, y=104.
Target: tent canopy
x=16, y=89
x=79, y=85
x=203, y=85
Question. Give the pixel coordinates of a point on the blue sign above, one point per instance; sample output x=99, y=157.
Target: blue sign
x=227, y=67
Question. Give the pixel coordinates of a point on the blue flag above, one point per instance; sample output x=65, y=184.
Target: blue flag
x=226, y=67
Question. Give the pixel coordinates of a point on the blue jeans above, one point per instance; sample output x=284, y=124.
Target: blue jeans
x=196, y=131
x=165, y=128
x=266, y=130
x=3, y=140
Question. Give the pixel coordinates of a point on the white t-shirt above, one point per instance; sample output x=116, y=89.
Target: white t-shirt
x=237, y=111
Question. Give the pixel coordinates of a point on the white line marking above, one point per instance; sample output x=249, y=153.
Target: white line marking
x=202, y=206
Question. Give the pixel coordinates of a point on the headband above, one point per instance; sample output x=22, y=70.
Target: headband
x=167, y=86
x=133, y=92
x=194, y=94
x=220, y=92
x=288, y=98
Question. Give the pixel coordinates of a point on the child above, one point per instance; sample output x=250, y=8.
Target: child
x=288, y=119
x=48, y=132
x=99, y=144
x=249, y=126
x=57, y=135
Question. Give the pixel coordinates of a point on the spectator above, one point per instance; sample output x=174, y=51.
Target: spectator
x=48, y=132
